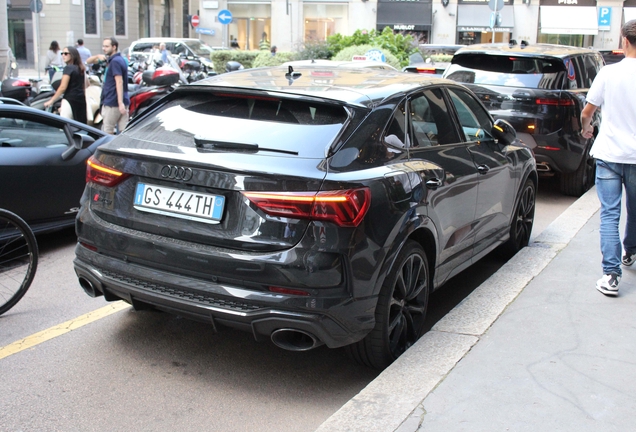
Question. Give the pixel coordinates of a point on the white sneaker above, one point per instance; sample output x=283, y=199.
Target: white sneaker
x=628, y=259
x=608, y=284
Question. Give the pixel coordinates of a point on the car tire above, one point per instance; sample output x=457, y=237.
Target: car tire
x=400, y=312
x=522, y=221
x=578, y=182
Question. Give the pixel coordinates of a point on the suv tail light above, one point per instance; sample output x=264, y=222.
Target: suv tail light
x=555, y=102
x=102, y=174
x=342, y=207
x=426, y=70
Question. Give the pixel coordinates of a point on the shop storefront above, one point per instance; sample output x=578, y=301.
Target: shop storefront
x=568, y=22
x=629, y=10
x=412, y=17
x=20, y=25
x=474, y=19
x=251, y=22
x=322, y=19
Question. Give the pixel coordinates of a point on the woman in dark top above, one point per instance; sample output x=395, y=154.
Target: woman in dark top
x=73, y=84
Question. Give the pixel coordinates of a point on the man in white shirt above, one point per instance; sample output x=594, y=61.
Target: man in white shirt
x=614, y=148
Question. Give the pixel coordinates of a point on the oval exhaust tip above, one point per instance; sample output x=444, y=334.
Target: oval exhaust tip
x=294, y=340
x=88, y=287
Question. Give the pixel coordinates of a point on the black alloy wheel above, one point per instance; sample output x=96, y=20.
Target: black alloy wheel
x=523, y=220
x=400, y=312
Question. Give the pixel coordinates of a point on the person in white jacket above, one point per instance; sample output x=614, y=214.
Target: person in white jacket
x=53, y=58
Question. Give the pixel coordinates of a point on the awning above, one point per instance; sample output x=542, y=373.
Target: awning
x=411, y=15
x=578, y=20
x=629, y=13
x=477, y=18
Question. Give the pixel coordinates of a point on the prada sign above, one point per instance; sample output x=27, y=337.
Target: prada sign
x=568, y=2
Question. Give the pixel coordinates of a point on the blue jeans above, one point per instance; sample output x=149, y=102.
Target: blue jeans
x=610, y=179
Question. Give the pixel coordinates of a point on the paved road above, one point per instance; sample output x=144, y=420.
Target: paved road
x=151, y=371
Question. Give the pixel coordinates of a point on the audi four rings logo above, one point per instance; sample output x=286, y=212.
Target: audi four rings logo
x=173, y=172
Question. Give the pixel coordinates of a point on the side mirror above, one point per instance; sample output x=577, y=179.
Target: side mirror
x=80, y=142
x=503, y=131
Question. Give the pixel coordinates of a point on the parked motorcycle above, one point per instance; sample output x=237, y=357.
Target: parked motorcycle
x=194, y=69
x=156, y=81
x=14, y=87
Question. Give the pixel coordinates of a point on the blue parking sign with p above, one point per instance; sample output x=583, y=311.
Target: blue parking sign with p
x=604, y=17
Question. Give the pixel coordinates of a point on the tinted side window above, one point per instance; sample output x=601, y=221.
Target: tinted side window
x=17, y=132
x=395, y=134
x=592, y=67
x=581, y=73
x=474, y=120
x=572, y=74
x=430, y=120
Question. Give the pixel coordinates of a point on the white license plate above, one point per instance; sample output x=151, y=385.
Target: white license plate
x=179, y=203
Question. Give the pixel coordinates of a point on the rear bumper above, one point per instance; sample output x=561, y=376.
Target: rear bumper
x=260, y=313
x=562, y=152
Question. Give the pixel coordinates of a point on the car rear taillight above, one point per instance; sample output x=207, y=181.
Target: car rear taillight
x=102, y=174
x=618, y=52
x=342, y=207
x=426, y=70
x=555, y=102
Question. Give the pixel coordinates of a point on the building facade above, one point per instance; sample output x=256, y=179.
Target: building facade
x=288, y=24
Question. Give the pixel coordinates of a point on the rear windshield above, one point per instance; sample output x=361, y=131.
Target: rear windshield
x=294, y=126
x=509, y=71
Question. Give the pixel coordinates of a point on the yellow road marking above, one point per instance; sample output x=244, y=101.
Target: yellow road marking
x=60, y=329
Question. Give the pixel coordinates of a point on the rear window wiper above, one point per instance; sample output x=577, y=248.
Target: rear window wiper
x=204, y=143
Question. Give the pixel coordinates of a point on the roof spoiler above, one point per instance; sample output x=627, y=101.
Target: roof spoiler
x=522, y=44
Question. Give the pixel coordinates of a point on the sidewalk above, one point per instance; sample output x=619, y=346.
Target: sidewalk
x=535, y=347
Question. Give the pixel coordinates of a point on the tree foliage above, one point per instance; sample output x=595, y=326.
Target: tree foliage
x=221, y=57
x=397, y=44
x=349, y=52
x=314, y=51
x=265, y=58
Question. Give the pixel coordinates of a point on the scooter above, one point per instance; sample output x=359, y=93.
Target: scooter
x=194, y=69
x=93, y=98
x=14, y=87
x=154, y=84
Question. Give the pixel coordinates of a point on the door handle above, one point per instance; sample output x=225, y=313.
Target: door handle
x=483, y=169
x=433, y=183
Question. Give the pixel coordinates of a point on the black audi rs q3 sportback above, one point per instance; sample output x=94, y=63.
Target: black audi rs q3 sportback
x=310, y=206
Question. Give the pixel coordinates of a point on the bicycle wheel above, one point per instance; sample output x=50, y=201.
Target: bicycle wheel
x=18, y=259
